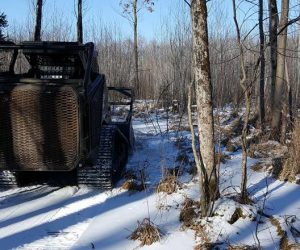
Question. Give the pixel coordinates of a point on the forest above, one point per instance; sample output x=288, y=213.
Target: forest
x=216, y=159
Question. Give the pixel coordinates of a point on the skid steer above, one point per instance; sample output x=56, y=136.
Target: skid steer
x=56, y=115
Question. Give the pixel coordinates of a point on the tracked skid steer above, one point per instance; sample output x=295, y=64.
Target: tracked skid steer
x=56, y=115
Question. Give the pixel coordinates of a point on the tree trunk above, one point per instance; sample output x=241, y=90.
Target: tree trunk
x=135, y=48
x=262, y=68
x=79, y=22
x=199, y=163
x=280, y=71
x=298, y=71
x=202, y=78
x=273, y=26
x=38, y=21
x=290, y=97
x=247, y=95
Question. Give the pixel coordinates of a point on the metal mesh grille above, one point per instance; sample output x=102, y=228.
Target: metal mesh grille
x=39, y=128
x=56, y=66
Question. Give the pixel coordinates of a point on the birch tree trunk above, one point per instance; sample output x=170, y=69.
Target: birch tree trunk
x=38, y=21
x=280, y=72
x=79, y=22
x=203, y=86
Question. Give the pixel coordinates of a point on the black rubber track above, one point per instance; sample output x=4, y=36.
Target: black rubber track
x=109, y=161
x=8, y=179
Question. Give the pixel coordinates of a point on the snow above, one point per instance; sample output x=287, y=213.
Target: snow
x=42, y=217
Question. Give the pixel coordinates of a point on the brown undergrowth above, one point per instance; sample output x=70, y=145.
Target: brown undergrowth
x=189, y=212
x=146, y=232
x=169, y=183
x=134, y=182
x=291, y=166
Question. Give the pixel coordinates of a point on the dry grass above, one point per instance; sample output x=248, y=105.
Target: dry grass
x=133, y=186
x=146, y=232
x=175, y=127
x=291, y=166
x=201, y=232
x=188, y=212
x=207, y=246
x=259, y=167
x=284, y=244
x=168, y=184
x=242, y=247
x=173, y=171
x=267, y=149
x=134, y=182
x=231, y=147
x=284, y=241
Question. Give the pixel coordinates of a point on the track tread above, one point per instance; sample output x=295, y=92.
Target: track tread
x=8, y=179
x=100, y=175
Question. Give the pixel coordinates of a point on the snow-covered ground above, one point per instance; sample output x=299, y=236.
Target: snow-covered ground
x=42, y=217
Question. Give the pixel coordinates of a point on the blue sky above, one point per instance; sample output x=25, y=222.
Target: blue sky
x=17, y=12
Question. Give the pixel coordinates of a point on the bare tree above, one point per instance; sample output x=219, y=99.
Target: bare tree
x=3, y=24
x=262, y=67
x=131, y=8
x=38, y=21
x=273, y=26
x=203, y=86
x=280, y=71
x=79, y=22
x=298, y=65
x=247, y=93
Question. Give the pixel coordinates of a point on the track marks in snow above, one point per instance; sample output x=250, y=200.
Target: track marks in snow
x=55, y=219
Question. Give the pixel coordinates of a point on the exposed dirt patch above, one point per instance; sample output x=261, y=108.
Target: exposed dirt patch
x=238, y=213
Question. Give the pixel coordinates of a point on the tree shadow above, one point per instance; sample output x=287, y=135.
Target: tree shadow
x=37, y=232
x=262, y=184
x=27, y=195
x=46, y=209
x=275, y=205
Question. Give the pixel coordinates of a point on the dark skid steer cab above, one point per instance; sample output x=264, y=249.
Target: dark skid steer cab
x=56, y=115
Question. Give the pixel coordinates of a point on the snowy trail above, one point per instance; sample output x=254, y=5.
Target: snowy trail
x=42, y=217
x=53, y=218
